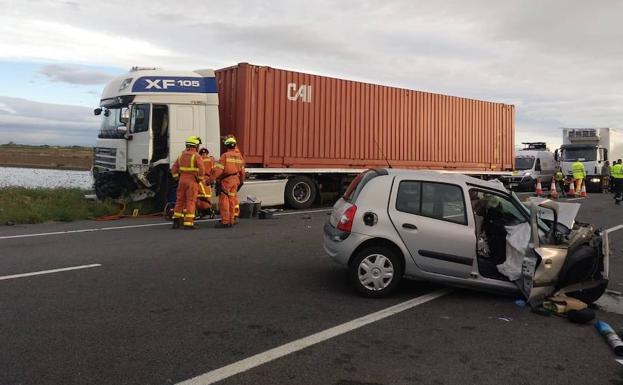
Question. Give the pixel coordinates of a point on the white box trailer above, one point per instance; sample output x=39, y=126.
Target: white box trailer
x=592, y=146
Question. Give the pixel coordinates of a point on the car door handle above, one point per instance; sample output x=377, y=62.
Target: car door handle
x=409, y=226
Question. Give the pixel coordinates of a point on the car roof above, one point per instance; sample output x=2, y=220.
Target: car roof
x=445, y=176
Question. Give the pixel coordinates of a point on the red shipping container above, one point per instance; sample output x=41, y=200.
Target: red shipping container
x=292, y=119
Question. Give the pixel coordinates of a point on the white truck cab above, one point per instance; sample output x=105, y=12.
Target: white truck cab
x=147, y=115
x=592, y=146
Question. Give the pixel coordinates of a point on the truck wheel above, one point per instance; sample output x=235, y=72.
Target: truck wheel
x=300, y=192
x=376, y=271
x=109, y=185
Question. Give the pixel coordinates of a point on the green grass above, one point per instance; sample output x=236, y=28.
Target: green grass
x=24, y=205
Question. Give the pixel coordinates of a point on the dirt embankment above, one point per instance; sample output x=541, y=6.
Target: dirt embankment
x=63, y=158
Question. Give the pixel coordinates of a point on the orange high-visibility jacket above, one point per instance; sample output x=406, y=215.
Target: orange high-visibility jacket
x=189, y=164
x=231, y=163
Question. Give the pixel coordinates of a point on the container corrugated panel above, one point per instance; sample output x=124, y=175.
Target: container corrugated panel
x=290, y=119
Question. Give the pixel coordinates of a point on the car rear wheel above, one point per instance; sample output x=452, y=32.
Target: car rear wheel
x=376, y=271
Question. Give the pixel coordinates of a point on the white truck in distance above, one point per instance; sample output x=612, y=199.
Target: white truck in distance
x=593, y=146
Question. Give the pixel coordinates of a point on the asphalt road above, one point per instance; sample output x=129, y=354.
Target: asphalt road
x=165, y=306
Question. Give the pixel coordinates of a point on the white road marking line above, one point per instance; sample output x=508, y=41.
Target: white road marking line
x=49, y=271
x=137, y=226
x=572, y=199
x=294, y=346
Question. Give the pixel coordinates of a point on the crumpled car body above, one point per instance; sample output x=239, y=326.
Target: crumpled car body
x=452, y=229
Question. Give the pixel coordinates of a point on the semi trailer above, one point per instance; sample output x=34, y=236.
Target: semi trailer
x=301, y=134
x=592, y=146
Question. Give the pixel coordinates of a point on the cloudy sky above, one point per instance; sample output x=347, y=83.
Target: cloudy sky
x=559, y=62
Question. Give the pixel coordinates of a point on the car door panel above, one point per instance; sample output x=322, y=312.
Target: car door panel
x=436, y=245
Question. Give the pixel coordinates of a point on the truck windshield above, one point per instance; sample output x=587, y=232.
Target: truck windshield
x=524, y=163
x=573, y=154
x=110, y=122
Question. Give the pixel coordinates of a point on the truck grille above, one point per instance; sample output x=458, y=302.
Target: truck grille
x=105, y=158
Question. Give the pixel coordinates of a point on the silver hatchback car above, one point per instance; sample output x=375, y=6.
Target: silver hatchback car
x=461, y=231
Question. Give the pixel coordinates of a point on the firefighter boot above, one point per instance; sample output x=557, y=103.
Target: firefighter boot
x=176, y=223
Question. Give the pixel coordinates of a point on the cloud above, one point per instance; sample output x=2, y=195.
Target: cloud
x=30, y=122
x=4, y=108
x=41, y=39
x=73, y=74
x=558, y=61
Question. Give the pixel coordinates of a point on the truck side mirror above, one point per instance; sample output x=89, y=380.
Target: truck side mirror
x=125, y=115
x=97, y=111
x=537, y=167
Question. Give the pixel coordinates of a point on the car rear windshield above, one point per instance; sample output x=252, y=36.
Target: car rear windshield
x=355, y=187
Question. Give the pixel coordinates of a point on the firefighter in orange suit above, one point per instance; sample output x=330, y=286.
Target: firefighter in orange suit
x=229, y=174
x=204, y=201
x=189, y=169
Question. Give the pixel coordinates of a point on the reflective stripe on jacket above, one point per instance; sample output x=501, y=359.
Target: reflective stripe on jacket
x=231, y=163
x=188, y=163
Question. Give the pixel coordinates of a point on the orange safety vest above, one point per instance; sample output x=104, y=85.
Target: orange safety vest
x=188, y=163
x=205, y=191
x=231, y=163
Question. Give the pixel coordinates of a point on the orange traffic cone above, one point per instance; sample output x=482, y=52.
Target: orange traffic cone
x=583, y=193
x=572, y=188
x=539, y=189
x=552, y=190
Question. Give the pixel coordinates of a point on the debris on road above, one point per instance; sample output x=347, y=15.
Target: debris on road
x=610, y=336
x=505, y=319
x=520, y=303
x=541, y=311
x=266, y=214
x=561, y=304
x=581, y=316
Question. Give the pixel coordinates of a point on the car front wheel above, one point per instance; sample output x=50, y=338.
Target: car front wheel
x=376, y=271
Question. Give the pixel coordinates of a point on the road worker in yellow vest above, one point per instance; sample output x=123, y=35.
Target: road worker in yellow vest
x=579, y=173
x=616, y=172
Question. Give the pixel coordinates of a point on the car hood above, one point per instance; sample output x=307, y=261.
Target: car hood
x=566, y=211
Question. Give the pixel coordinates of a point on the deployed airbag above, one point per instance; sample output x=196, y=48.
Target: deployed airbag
x=517, y=240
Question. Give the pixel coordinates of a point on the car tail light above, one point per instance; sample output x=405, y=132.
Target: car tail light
x=346, y=220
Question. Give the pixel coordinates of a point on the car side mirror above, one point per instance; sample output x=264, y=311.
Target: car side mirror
x=97, y=111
